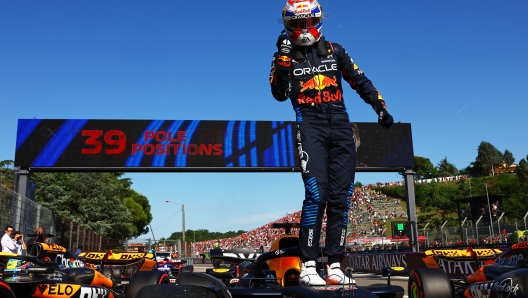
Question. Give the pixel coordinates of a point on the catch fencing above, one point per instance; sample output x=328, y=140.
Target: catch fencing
x=25, y=215
x=497, y=232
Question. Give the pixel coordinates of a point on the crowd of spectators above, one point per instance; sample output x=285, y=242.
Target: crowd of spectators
x=261, y=236
x=368, y=213
x=441, y=179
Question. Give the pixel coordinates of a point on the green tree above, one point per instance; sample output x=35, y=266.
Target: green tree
x=139, y=207
x=6, y=173
x=474, y=169
x=203, y=235
x=51, y=190
x=488, y=156
x=424, y=168
x=96, y=198
x=101, y=201
x=445, y=168
x=522, y=172
x=508, y=158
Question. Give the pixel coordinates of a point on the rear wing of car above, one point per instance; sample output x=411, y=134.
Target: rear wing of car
x=111, y=258
x=465, y=254
x=234, y=256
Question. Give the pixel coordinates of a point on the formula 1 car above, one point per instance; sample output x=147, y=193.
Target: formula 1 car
x=228, y=270
x=173, y=267
x=271, y=274
x=287, y=269
x=49, y=270
x=505, y=276
x=256, y=279
x=126, y=268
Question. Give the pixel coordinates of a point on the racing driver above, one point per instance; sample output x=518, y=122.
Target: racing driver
x=308, y=70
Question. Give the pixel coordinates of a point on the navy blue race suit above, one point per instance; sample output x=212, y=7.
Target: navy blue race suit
x=325, y=143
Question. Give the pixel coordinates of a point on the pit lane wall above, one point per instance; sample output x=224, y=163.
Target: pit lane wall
x=450, y=260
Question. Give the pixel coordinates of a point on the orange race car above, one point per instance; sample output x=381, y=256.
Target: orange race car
x=503, y=274
x=49, y=270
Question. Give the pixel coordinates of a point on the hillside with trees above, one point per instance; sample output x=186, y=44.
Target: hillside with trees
x=491, y=169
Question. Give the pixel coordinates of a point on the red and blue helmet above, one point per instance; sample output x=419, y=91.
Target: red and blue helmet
x=303, y=21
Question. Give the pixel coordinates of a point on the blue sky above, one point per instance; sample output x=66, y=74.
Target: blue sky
x=454, y=69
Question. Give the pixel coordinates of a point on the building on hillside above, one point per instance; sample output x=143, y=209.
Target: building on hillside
x=139, y=247
x=504, y=168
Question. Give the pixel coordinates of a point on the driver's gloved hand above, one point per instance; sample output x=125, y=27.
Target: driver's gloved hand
x=285, y=47
x=385, y=119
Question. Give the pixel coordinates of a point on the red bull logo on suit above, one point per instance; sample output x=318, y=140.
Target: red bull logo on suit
x=319, y=82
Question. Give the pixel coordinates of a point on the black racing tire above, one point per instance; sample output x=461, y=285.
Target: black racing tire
x=116, y=272
x=5, y=290
x=202, y=280
x=429, y=283
x=188, y=268
x=141, y=279
x=106, y=271
x=176, y=291
x=130, y=270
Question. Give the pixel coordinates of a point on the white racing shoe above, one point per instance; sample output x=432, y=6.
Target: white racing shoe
x=334, y=276
x=309, y=276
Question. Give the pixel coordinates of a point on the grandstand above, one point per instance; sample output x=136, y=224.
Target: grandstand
x=369, y=216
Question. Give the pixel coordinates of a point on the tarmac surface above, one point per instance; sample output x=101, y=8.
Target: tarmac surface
x=362, y=279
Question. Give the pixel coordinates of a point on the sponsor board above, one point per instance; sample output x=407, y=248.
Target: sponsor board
x=376, y=261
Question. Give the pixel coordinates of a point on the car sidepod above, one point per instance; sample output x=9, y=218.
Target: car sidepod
x=59, y=289
x=509, y=285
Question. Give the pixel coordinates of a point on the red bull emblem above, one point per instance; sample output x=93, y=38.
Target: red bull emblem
x=302, y=8
x=321, y=97
x=318, y=82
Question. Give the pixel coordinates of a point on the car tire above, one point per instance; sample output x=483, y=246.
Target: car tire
x=202, y=280
x=116, y=272
x=171, y=291
x=141, y=279
x=5, y=290
x=130, y=270
x=188, y=268
x=106, y=271
x=429, y=283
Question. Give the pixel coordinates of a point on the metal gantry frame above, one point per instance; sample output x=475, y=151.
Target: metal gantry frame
x=23, y=182
x=411, y=208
